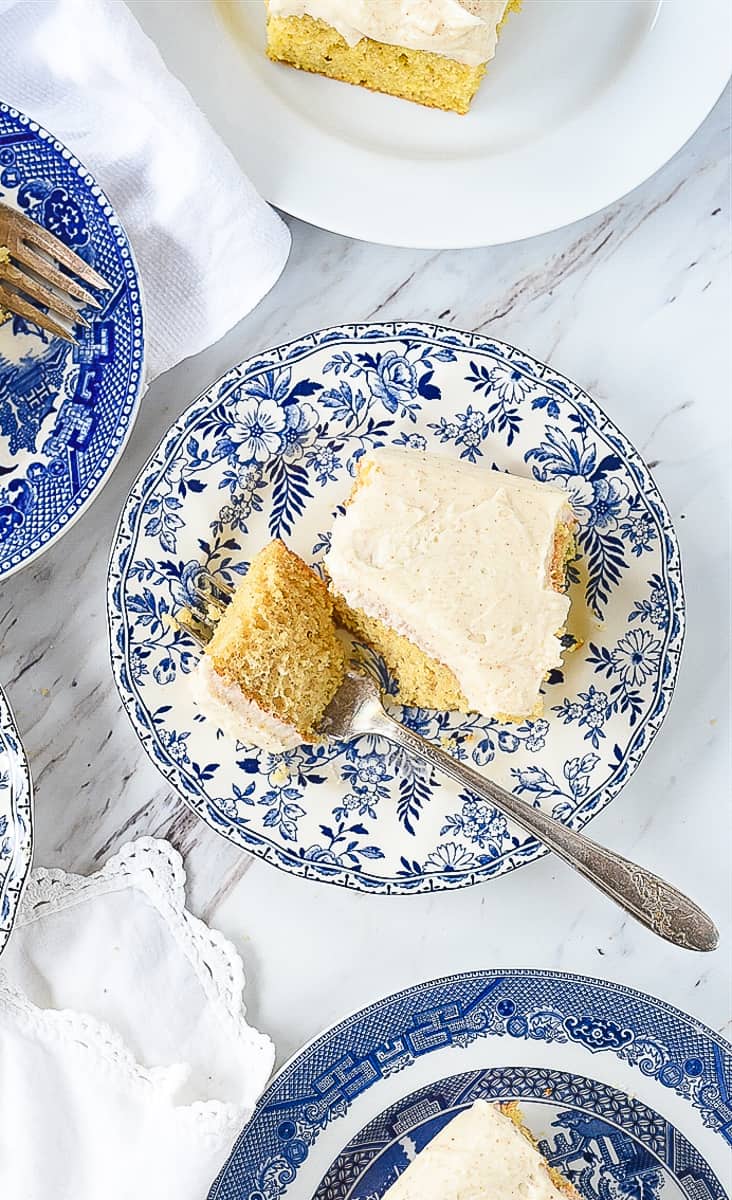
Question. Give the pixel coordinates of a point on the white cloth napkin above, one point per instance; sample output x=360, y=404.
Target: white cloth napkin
x=126, y=1063
x=207, y=245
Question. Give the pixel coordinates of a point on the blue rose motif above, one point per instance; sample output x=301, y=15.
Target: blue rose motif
x=393, y=381
x=257, y=429
x=183, y=589
x=63, y=218
x=598, y=503
x=300, y=421
x=319, y=854
x=636, y=657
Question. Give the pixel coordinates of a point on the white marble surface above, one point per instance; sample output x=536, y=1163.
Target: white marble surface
x=633, y=304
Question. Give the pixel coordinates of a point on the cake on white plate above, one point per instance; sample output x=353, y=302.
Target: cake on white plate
x=434, y=52
x=484, y=1153
x=455, y=574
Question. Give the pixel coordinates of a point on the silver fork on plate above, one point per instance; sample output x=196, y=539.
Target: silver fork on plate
x=357, y=709
x=32, y=284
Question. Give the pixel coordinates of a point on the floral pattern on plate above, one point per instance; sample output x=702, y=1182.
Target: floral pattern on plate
x=270, y=451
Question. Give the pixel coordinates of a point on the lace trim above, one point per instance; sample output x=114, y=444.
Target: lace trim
x=154, y=867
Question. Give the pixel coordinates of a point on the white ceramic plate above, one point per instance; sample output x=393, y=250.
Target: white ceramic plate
x=583, y=101
x=270, y=451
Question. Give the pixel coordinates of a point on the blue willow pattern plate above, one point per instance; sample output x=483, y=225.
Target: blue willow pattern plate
x=16, y=819
x=270, y=450
x=630, y=1099
x=65, y=411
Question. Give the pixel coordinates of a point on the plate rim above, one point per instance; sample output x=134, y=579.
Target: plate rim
x=361, y=1012
x=377, y=223
x=9, y=724
x=255, y=843
x=135, y=400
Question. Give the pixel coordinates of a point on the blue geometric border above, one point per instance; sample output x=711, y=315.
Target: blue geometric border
x=606, y=1020
x=110, y=354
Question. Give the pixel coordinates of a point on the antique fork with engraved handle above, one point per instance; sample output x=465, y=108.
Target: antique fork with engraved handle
x=356, y=709
x=34, y=279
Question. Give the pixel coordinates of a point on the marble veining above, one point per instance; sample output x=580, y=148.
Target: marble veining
x=655, y=264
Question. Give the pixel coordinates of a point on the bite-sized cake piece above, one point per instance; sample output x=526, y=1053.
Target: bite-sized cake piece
x=485, y=1153
x=431, y=51
x=455, y=574
x=274, y=662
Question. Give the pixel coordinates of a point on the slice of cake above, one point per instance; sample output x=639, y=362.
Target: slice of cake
x=455, y=574
x=483, y=1154
x=431, y=51
x=274, y=662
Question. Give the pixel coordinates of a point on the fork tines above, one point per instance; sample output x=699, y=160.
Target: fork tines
x=212, y=596
x=31, y=279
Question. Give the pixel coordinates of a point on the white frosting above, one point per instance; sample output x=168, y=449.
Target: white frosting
x=465, y=30
x=457, y=558
x=480, y=1155
x=243, y=719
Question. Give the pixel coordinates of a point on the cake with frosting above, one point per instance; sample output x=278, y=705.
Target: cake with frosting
x=274, y=662
x=433, y=52
x=484, y=1153
x=456, y=575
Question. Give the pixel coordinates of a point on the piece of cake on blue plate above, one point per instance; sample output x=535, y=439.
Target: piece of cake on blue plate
x=484, y=1153
x=456, y=575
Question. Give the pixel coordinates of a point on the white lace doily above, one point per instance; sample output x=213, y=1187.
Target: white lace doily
x=124, y=1046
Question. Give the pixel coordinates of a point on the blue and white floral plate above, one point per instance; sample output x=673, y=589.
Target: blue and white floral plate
x=270, y=451
x=65, y=411
x=16, y=819
x=630, y=1098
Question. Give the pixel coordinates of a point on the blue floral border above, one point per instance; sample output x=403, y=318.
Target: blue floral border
x=320, y=1083
x=16, y=822
x=190, y=789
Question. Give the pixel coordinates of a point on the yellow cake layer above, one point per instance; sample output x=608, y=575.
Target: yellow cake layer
x=277, y=640
x=418, y=75
x=423, y=681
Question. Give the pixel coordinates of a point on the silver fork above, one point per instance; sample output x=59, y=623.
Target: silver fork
x=33, y=286
x=357, y=709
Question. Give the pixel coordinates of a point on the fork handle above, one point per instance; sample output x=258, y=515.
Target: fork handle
x=655, y=903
